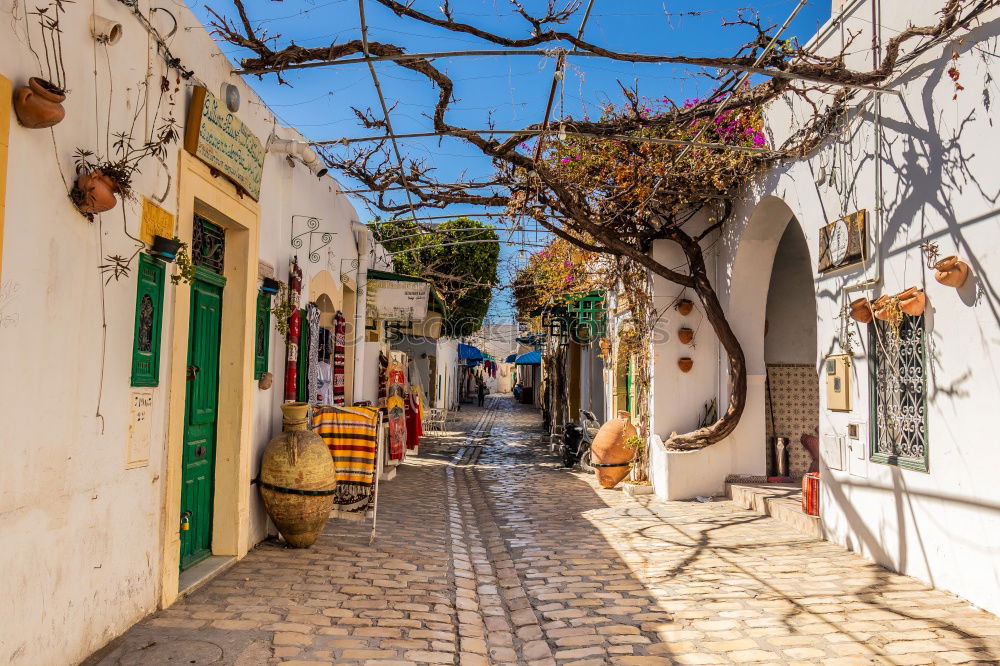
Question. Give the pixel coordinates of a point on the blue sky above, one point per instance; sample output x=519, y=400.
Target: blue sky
x=512, y=91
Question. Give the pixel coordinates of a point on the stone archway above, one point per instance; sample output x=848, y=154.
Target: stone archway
x=750, y=283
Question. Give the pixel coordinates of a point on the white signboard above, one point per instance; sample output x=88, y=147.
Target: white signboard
x=139, y=428
x=395, y=300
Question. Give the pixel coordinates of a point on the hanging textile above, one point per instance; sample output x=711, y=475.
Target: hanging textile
x=414, y=429
x=339, y=355
x=396, y=406
x=383, y=385
x=294, y=330
x=351, y=435
x=324, y=383
x=312, y=378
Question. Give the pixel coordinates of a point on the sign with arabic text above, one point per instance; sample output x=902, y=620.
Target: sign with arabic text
x=394, y=300
x=223, y=142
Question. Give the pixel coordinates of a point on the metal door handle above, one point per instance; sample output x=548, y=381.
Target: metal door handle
x=192, y=372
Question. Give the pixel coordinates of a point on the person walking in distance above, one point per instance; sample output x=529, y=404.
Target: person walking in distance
x=482, y=393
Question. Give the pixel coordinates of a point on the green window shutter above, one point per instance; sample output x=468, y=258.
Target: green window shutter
x=262, y=339
x=148, y=322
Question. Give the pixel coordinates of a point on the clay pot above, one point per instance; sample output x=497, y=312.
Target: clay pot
x=879, y=308
x=951, y=272
x=685, y=364
x=685, y=307
x=265, y=381
x=96, y=192
x=38, y=105
x=685, y=335
x=861, y=310
x=294, y=412
x=609, y=449
x=811, y=444
x=298, y=460
x=912, y=301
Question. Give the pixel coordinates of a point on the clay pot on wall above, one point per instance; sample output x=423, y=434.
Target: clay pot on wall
x=912, y=301
x=94, y=192
x=861, y=310
x=684, y=306
x=880, y=308
x=39, y=104
x=951, y=272
x=685, y=364
x=295, y=462
x=165, y=248
x=685, y=335
x=609, y=448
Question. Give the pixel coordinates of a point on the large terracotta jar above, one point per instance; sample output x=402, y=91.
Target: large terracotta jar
x=609, y=454
x=297, y=479
x=95, y=192
x=39, y=105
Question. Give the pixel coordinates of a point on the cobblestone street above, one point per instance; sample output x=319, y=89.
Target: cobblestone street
x=488, y=552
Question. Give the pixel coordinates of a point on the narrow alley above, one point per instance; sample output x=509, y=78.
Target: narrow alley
x=489, y=552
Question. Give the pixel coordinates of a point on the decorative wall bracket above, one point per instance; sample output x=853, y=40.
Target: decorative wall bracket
x=312, y=225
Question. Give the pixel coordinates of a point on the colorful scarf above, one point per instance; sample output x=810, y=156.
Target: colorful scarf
x=414, y=429
x=312, y=377
x=339, y=347
x=351, y=435
x=395, y=404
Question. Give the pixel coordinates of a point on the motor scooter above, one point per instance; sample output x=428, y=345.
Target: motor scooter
x=577, y=438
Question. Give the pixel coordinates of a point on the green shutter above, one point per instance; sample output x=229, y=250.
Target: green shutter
x=262, y=339
x=148, y=322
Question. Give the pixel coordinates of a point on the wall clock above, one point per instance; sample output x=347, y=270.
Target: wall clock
x=843, y=242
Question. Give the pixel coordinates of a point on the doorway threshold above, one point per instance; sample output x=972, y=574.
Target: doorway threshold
x=193, y=578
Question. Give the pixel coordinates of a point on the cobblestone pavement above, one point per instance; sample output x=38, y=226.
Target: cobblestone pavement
x=489, y=552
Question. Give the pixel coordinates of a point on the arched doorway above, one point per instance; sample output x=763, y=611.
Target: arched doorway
x=791, y=381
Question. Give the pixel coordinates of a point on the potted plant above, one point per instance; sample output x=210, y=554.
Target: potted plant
x=165, y=248
x=685, y=364
x=185, y=269
x=100, y=178
x=39, y=104
x=861, y=310
x=270, y=286
x=633, y=487
x=912, y=301
x=685, y=306
x=685, y=335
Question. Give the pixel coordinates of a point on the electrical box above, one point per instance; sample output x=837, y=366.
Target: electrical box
x=832, y=451
x=837, y=370
x=857, y=444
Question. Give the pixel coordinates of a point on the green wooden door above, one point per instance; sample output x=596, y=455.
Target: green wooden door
x=201, y=414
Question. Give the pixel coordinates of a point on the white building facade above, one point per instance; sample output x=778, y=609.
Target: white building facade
x=906, y=432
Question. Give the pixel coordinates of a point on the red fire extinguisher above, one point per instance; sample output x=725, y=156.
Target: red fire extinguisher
x=294, y=330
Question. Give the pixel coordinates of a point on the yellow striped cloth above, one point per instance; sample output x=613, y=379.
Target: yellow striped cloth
x=350, y=434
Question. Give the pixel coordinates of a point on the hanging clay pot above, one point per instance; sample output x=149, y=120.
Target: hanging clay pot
x=880, y=308
x=912, y=301
x=685, y=335
x=297, y=479
x=685, y=364
x=861, y=310
x=684, y=306
x=39, y=104
x=609, y=449
x=951, y=272
x=95, y=192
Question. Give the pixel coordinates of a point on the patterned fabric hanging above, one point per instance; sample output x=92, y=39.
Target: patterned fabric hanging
x=294, y=329
x=339, y=349
x=312, y=376
x=396, y=391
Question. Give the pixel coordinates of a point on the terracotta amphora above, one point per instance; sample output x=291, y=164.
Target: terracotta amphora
x=96, y=192
x=912, y=301
x=297, y=479
x=951, y=272
x=861, y=310
x=609, y=449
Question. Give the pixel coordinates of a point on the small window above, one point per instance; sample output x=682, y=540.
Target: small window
x=898, y=388
x=148, y=319
x=262, y=340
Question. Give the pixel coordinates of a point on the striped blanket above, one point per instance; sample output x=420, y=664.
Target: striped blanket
x=350, y=434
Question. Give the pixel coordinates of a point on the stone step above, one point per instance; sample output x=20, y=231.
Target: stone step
x=781, y=501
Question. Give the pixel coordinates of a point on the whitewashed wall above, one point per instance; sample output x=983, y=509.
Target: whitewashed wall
x=941, y=184
x=81, y=552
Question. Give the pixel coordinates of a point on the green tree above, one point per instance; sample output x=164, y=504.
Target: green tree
x=463, y=272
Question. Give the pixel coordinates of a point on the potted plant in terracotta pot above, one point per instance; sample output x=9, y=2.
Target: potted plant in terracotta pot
x=685, y=306
x=99, y=178
x=685, y=335
x=912, y=301
x=270, y=286
x=39, y=104
x=685, y=364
